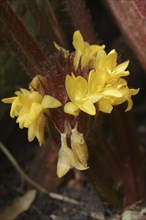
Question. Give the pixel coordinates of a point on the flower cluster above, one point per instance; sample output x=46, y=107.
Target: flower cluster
x=31, y=109
x=95, y=83
x=103, y=87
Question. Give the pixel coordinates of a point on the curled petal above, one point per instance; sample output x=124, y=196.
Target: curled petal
x=129, y=100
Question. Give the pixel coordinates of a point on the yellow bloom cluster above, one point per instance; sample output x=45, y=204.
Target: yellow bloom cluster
x=103, y=87
x=100, y=86
x=30, y=108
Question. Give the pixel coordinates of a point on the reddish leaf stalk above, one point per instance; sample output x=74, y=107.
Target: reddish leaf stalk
x=42, y=25
x=109, y=157
x=137, y=157
x=81, y=19
x=128, y=152
x=21, y=41
x=54, y=24
x=101, y=178
x=131, y=18
x=104, y=150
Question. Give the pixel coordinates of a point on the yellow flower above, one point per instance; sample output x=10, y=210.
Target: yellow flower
x=76, y=156
x=76, y=88
x=103, y=86
x=83, y=50
x=101, y=93
x=108, y=64
x=29, y=108
x=126, y=94
x=110, y=93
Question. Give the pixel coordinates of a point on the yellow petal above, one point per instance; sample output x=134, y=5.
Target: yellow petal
x=14, y=109
x=96, y=80
x=37, y=129
x=8, y=100
x=80, y=88
x=120, y=74
x=35, y=110
x=121, y=67
x=34, y=96
x=134, y=91
x=112, y=92
x=79, y=146
x=99, y=60
x=95, y=97
x=69, y=85
x=31, y=133
x=24, y=121
x=78, y=41
x=111, y=60
x=71, y=108
x=63, y=164
x=77, y=58
x=88, y=107
x=85, y=60
x=130, y=104
x=37, y=83
x=59, y=48
x=129, y=100
x=93, y=49
x=76, y=87
x=23, y=91
x=50, y=102
x=40, y=125
x=105, y=106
